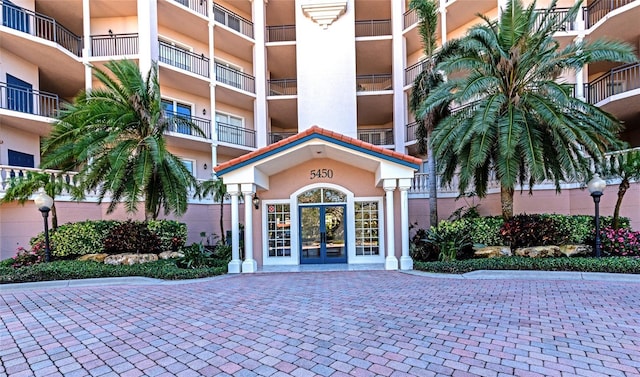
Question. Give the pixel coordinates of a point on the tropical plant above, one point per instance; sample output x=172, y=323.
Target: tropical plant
x=21, y=187
x=218, y=190
x=114, y=135
x=620, y=242
x=626, y=166
x=428, y=78
x=519, y=123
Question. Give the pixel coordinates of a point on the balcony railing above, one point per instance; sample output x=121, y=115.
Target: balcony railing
x=235, y=78
x=114, y=44
x=373, y=83
x=376, y=136
x=180, y=124
x=199, y=6
x=616, y=81
x=410, y=18
x=373, y=28
x=281, y=33
x=8, y=172
x=236, y=135
x=284, y=87
x=557, y=14
x=275, y=137
x=232, y=20
x=183, y=59
x=41, y=26
x=410, y=73
x=598, y=9
x=410, y=133
x=28, y=101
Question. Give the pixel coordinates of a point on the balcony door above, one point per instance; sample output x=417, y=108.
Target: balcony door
x=19, y=95
x=14, y=17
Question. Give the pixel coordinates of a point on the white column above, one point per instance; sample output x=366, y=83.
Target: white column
x=235, y=264
x=398, y=55
x=406, y=263
x=249, y=265
x=260, y=71
x=147, y=35
x=391, y=262
x=212, y=91
x=443, y=22
x=86, y=48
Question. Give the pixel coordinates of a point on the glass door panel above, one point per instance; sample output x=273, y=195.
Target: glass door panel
x=335, y=235
x=310, y=235
x=322, y=234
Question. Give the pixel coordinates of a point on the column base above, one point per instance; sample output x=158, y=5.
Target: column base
x=391, y=263
x=234, y=266
x=406, y=263
x=249, y=266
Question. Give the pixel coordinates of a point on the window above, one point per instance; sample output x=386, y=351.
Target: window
x=181, y=114
x=189, y=164
x=19, y=95
x=14, y=17
x=279, y=230
x=367, y=241
x=322, y=195
x=175, y=54
x=230, y=128
x=229, y=74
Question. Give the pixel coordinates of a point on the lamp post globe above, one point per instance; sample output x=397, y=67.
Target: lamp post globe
x=44, y=203
x=596, y=188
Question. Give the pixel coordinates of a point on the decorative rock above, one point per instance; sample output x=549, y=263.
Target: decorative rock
x=93, y=257
x=130, y=258
x=493, y=252
x=575, y=250
x=539, y=251
x=170, y=254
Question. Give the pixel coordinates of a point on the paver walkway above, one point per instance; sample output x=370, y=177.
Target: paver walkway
x=359, y=323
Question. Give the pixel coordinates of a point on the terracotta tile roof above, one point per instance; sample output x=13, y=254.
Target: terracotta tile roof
x=315, y=130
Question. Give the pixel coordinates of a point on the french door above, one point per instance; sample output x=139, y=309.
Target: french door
x=322, y=234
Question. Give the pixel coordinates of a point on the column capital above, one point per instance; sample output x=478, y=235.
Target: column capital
x=248, y=188
x=404, y=184
x=233, y=189
x=389, y=184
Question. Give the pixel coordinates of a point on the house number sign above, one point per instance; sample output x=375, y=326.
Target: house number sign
x=320, y=173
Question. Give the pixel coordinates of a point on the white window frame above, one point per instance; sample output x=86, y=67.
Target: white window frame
x=232, y=133
x=174, y=109
x=194, y=167
x=380, y=258
x=293, y=258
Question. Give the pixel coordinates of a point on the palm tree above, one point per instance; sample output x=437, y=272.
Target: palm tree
x=626, y=166
x=22, y=187
x=520, y=124
x=115, y=135
x=428, y=79
x=218, y=189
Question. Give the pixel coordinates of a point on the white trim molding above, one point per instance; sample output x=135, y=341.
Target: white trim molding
x=324, y=13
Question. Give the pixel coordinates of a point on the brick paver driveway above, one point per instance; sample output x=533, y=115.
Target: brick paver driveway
x=328, y=324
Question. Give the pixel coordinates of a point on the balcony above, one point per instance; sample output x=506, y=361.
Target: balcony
x=374, y=83
x=410, y=132
x=281, y=33
x=616, y=81
x=28, y=101
x=183, y=59
x=275, y=137
x=410, y=73
x=410, y=17
x=373, y=28
x=180, y=124
x=198, y=6
x=231, y=134
x=41, y=26
x=376, y=136
x=235, y=78
x=114, y=44
x=558, y=13
x=600, y=8
x=232, y=20
x=284, y=87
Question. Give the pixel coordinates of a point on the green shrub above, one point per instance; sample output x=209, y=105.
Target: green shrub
x=172, y=234
x=449, y=238
x=131, y=237
x=25, y=257
x=75, y=239
x=533, y=230
x=620, y=242
x=486, y=230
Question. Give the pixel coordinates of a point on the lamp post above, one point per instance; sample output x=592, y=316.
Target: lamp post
x=596, y=187
x=44, y=203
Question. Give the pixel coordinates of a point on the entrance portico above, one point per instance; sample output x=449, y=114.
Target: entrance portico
x=323, y=198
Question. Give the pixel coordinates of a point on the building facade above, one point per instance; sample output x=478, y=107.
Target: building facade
x=303, y=107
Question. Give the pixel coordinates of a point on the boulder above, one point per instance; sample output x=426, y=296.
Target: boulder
x=93, y=257
x=539, y=251
x=575, y=250
x=170, y=254
x=493, y=252
x=130, y=258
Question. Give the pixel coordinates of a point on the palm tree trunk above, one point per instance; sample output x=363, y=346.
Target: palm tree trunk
x=221, y=223
x=622, y=189
x=433, y=188
x=506, y=201
x=54, y=217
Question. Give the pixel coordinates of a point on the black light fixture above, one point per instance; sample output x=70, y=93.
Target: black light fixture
x=110, y=33
x=205, y=166
x=596, y=187
x=44, y=203
x=256, y=201
x=204, y=111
